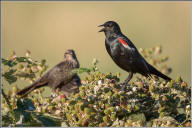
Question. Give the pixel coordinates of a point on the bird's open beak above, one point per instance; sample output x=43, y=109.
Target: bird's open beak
x=103, y=29
x=101, y=25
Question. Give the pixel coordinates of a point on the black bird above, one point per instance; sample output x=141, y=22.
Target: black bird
x=125, y=54
x=60, y=76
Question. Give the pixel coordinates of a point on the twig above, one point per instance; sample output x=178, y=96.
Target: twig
x=8, y=103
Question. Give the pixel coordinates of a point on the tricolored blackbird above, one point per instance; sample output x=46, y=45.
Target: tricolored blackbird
x=125, y=54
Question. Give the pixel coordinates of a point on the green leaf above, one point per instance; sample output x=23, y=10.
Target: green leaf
x=28, y=103
x=23, y=59
x=180, y=118
x=19, y=104
x=21, y=107
x=9, y=63
x=9, y=77
x=82, y=70
x=138, y=116
x=46, y=121
x=43, y=62
x=6, y=120
x=17, y=113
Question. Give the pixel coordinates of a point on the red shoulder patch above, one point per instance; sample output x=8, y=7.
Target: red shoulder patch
x=122, y=41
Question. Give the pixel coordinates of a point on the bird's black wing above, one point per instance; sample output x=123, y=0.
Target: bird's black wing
x=131, y=53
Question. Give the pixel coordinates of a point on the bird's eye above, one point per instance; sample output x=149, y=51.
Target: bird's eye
x=107, y=25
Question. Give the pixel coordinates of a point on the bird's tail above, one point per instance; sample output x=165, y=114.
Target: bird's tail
x=24, y=92
x=158, y=73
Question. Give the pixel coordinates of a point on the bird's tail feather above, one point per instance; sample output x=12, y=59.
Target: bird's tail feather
x=29, y=89
x=158, y=73
x=26, y=90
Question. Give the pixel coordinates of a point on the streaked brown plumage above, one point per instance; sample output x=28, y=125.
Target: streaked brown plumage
x=60, y=76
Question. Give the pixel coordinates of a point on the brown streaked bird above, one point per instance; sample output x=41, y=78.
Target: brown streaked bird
x=60, y=76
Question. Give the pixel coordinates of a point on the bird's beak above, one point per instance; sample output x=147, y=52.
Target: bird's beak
x=101, y=25
x=103, y=29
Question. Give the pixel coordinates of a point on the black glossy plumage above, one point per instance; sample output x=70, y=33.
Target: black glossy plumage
x=125, y=54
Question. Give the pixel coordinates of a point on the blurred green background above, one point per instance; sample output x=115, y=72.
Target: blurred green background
x=48, y=29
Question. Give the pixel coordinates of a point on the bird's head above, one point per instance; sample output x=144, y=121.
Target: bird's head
x=110, y=27
x=69, y=54
x=71, y=58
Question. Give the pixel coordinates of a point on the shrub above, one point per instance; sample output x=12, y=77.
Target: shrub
x=101, y=100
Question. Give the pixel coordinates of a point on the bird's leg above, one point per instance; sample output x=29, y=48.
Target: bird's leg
x=127, y=80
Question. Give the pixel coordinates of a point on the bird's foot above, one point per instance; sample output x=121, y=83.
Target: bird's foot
x=123, y=86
